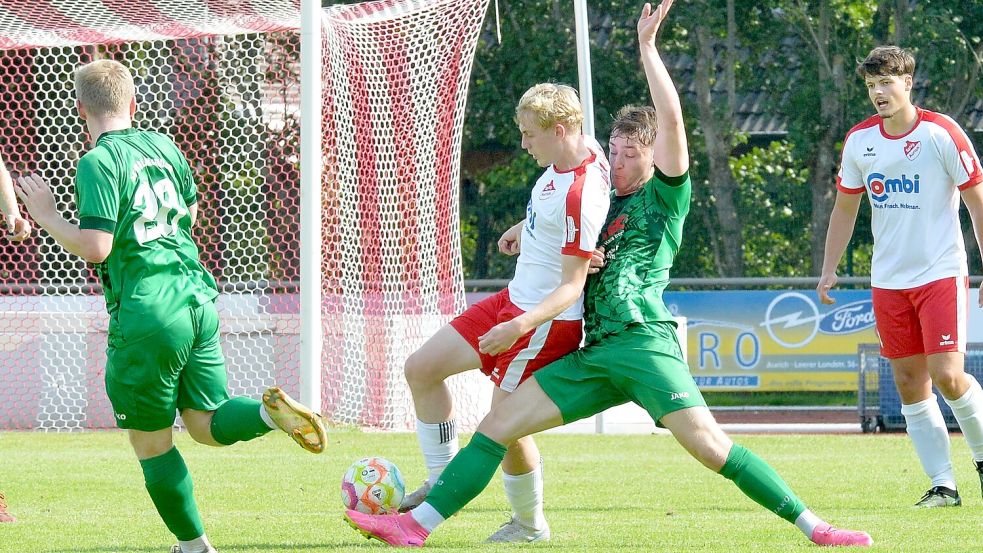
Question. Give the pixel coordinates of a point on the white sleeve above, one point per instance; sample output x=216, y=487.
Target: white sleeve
x=849, y=179
x=958, y=156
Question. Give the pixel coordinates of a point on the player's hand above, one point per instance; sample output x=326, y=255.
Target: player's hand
x=826, y=283
x=651, y=20
x=500, y=338
x=36, y=195
x=18, y=228
x=509, y=242
x=596, y=261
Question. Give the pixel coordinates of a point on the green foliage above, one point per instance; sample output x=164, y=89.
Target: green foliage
x=774, y=198
x=779, y=56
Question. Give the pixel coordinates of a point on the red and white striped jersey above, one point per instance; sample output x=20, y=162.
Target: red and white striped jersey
x=565, y=214
x=913, y=183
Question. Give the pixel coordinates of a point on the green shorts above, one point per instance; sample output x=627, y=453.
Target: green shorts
x=180, y=366
x=642, y=364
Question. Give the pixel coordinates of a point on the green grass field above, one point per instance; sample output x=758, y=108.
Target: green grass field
x=84, y=493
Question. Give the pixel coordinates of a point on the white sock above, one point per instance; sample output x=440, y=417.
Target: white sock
x=265, y=415
x=969, y=412
x=438, y=442
x=525, y=494
x=197, y=545
x=807, y=522
x=928, y=433
x=426, y=516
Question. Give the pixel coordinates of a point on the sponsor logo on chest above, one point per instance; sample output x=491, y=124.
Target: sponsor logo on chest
x=547, y=191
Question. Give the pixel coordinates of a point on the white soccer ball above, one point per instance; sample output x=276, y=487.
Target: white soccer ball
x=373, y=486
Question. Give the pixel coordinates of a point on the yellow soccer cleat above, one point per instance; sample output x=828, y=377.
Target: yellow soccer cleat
x=4, y=515
x=304, y=426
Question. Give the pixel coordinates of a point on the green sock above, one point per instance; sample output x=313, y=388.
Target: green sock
x=468, y=473
x=761, y=483
x=172, y=492
x=238, y=420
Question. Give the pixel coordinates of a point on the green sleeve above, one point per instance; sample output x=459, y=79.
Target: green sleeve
x=673, y=193
x=97, y=192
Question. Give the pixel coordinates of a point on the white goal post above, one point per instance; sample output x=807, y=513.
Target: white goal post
x=222, y=79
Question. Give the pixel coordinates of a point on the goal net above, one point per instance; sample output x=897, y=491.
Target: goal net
x=222, y=79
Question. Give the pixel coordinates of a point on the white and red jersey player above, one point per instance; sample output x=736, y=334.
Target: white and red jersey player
x=913, y=183
x=564, y=217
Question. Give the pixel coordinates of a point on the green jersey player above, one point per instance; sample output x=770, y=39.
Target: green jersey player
x=137, y=202
x=631, y=351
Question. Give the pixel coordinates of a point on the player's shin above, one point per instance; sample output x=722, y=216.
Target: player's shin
x=466, y=475
x=439, y=445
x=968, y=411
x=761, y=483
x=927, y=430
x=172, y=491
x=238, y=420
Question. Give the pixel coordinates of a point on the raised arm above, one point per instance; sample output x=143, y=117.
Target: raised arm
x=671, y=154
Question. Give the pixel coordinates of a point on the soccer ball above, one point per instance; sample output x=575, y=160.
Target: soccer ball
x=372, y=486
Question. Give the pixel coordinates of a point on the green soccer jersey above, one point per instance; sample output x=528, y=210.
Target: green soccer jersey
x=138, y=186
x=640, y=237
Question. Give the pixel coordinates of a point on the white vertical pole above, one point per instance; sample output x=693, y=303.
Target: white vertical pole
x=310, y=203
x=587, y=101
x=583, y=65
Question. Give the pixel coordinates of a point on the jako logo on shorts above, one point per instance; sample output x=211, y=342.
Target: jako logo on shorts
x=881, y=187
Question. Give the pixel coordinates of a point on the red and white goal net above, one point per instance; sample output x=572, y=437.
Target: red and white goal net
x=222, y=78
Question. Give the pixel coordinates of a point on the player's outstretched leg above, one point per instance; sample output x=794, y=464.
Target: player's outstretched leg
x=305, y=427
x=4, y=515
x=697, y=431
x=399, y=530
x=762, y=484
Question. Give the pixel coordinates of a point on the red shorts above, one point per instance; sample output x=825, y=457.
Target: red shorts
x=532, y=351
x=928, y=319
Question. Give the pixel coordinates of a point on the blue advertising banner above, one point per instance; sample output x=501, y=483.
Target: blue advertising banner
x=774, y=340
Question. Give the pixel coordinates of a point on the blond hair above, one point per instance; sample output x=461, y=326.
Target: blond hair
x=552, y=104
x=104, y=87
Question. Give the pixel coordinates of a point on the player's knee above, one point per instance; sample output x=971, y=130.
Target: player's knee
x=496, y=425
x=199, y=426
x=419, y=370
x=952, y=384
x=910, y=383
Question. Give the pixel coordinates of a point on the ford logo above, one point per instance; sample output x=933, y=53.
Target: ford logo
x=852, y=317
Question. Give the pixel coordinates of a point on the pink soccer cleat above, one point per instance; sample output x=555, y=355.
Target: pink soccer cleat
x=824, y=534
x=395, y=529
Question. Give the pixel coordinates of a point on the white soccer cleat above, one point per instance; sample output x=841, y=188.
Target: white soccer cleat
x=514, y=532
x=176, y=548
x=414, y=499
x=305, y=427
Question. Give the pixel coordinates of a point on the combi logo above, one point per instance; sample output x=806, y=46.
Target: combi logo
x=881, y=187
